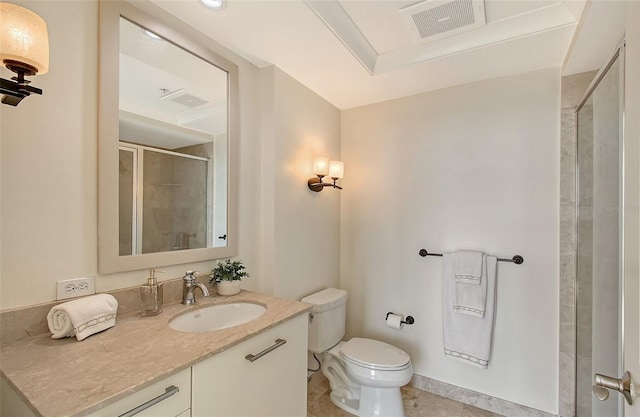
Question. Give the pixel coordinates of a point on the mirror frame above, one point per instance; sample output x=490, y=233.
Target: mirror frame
x=153, y=18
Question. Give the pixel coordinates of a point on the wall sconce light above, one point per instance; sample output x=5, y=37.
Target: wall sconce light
x=24, y=49
x=322, y=167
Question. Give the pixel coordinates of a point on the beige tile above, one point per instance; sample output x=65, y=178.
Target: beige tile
x=469, y=411
x=317, y=386
x=574, y=86
x=323, y=407
x=417, y=403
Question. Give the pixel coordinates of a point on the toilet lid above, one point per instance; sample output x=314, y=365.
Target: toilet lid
x=373, y=353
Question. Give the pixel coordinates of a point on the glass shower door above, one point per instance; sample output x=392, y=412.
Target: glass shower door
x=165, y=200
x=599, y=248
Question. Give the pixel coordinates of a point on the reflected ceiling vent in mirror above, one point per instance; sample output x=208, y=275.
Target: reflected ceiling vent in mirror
x=181, y=96
x=435, y=19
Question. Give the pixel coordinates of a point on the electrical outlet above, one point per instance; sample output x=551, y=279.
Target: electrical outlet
x=77, y=287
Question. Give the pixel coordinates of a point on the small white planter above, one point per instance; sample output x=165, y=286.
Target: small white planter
x=228, y=287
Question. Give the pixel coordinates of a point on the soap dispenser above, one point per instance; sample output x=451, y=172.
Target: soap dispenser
x=151, y=295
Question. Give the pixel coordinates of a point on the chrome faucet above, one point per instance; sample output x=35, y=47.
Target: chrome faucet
x=189, y=285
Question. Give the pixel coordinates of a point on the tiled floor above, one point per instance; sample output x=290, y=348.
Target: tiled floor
x=417, y=403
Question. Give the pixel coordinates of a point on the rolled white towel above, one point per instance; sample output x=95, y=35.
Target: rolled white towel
x=83, y=317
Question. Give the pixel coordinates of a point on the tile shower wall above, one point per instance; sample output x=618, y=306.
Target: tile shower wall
x=584, y=264
x=598, y=259
x=175, y=199
x=573, y=88
x=175, y=202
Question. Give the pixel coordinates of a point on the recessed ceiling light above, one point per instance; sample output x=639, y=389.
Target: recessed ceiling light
x=213, y=4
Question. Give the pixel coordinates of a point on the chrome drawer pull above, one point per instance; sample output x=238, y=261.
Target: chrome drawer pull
x=251, y=357
x=168, y=392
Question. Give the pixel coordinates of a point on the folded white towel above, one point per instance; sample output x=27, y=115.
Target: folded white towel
x=83, y=317
x=468, y=266
x=466, y=337
x=471, y=299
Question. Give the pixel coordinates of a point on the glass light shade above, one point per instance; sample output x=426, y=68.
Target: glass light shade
x=336, y=169
x=23, y=37
x=321, y=165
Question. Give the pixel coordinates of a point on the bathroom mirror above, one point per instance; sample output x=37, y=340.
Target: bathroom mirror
x=167, y=142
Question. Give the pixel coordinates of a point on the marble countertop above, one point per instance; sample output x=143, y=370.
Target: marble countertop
x=64, y=377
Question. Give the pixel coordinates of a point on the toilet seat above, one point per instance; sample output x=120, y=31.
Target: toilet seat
x=373, y=354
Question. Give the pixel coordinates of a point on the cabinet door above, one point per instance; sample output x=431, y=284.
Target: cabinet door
x=170, y=406
x=274, y=385
x=10, y=402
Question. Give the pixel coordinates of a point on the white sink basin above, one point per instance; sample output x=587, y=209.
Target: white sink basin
x=216, y=317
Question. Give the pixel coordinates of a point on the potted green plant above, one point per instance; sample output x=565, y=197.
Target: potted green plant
x=227, y=275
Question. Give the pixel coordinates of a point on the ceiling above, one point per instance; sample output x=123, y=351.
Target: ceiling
x=168, y=97
x=357, y=52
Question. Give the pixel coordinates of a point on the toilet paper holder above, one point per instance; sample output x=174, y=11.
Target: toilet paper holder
x=407, y=320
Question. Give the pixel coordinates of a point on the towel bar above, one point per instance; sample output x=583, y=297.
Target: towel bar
x=517, y=259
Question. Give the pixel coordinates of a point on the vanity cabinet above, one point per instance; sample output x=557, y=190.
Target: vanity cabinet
x=10, y=402
x=274, y=384
x=173, y=396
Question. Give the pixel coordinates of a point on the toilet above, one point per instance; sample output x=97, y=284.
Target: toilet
x=365, y=375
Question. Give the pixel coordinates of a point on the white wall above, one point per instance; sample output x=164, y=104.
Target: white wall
x=301, y=247
x=469, y=167
x=48, y=172
x=49, y=164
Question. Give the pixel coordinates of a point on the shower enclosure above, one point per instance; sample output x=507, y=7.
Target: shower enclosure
x=165, y=197
x=599, y=283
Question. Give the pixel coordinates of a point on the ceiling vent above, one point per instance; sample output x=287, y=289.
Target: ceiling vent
x=434, y=19
x=181, y=96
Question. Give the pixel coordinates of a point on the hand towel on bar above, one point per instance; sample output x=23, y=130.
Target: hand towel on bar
x=468, y=266
x=83, y=317
x=471, y=298
x=467, y=338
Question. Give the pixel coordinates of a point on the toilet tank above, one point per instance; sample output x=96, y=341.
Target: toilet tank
x=328, y=315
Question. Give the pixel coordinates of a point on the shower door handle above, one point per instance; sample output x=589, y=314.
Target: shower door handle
x=624, y=385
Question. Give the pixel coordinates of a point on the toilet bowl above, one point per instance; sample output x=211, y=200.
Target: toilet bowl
x=365, y=375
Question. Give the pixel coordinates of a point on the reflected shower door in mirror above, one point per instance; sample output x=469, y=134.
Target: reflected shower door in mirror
x=165, y=198
x=174, y=104
x=167, y=142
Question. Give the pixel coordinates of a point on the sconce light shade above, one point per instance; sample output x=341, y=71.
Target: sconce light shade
x=336, y=169
x=23, y=39
x=322, y=167
x=24, y=49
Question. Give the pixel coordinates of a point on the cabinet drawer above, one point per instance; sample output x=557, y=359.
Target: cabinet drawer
x=170, y=406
